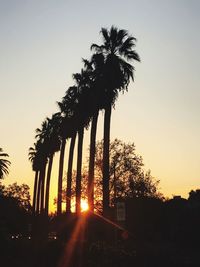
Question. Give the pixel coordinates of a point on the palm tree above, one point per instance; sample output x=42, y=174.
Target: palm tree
x=82, y=117
x=38, y=157
x=64, y=132
x=60, y=175
x=75, y=110
x=67, y=130
x=4, y=164
x=53, y=145
x=70, y=164
x=117, y=49
x=42, y=147
x=95, y=69
x=33, y=157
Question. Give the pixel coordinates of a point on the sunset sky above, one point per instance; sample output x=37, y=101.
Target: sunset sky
x=42, y=43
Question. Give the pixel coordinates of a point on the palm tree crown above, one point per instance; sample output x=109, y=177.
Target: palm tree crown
x=118, y=52
x=4, y=164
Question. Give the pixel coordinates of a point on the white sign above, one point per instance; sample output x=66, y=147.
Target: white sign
x=121, y=212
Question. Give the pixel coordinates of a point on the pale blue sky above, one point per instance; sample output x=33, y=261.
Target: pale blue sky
x=42, y=43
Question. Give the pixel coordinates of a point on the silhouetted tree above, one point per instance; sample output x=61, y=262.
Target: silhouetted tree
x=33, y=157
x=128, y=178
x=4, y=164
x=53, y=145
x=68, y=130
x=96, y=99
x=117, y=49
x=194, y=198
x=20, y=193
x=42, y=150
x=82, y=115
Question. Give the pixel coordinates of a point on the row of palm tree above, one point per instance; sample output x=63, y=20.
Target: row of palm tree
x=95, y=88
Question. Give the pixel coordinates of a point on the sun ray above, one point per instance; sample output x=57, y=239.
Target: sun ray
x=73, y=249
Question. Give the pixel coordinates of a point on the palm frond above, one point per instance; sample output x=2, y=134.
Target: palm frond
x=4, y=155
x=133, y=55
x=4, y=164
x=97, y=48
x=105, y=34
x=121, y=35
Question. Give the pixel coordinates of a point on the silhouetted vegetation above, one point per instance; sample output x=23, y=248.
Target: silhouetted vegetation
x=96, y=87
x=15, y=217
x=129, y=222
x=4, y=164
x=155, y=233
x=128, y=177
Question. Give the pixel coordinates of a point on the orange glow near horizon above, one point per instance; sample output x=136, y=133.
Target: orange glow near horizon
x=84, y=206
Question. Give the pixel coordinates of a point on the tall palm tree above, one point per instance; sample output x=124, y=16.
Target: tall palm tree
x=82, y=115
x=64, y=135
x=42, y=146
x=68, y=129
x=4, y=164
x=118, y=51
x=70, y=164
x=38, y=157
x=33, y=157
x=60, y=175
x=95, y=69
x=53, y=145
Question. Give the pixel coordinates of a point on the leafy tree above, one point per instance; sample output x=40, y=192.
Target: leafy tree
x=4, y=164
x=127, y=175
x=128, y=179
x=194, y=197
x=15, y=210
x=20, y=193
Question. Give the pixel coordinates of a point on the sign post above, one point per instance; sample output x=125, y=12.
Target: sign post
x=121, y=211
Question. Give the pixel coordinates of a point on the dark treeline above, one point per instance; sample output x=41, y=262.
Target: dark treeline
x=156, y=232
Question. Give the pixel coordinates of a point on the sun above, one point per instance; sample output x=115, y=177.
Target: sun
x=84, y=205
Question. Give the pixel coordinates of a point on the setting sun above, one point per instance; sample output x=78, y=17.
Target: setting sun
x=84, y=205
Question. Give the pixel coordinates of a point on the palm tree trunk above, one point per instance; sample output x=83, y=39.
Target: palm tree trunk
x=106, y=146
x=60, y=176
x=79, y=166
x=48, y=184
x=37, y=210
x=42, y=179
x=92, y=161
x=35, y=191
x=69, y=173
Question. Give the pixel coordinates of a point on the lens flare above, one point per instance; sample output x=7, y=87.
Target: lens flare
x=84, y=205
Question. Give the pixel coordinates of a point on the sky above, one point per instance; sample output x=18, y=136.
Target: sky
x=42, y=44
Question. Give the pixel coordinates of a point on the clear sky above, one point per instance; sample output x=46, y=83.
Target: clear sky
x=42, y=43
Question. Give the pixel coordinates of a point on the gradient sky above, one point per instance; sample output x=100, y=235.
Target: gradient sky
x=42, y=43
